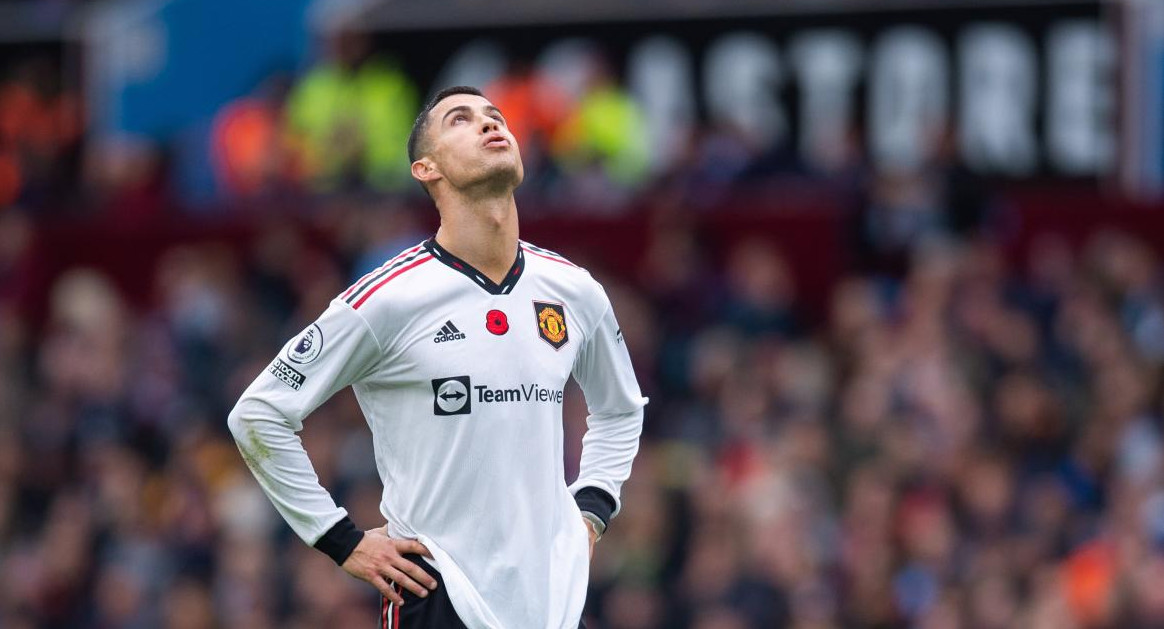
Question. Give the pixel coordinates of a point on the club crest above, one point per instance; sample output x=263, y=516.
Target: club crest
x=552, y=323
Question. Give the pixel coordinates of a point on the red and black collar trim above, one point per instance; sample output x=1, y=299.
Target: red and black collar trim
x=479, y=278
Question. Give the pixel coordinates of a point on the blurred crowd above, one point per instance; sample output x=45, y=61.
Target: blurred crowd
x=339, y=128
x=955, y=443
x=968, y=447
x=342, y=127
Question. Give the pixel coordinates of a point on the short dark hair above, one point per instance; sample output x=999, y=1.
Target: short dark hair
x=416, y=138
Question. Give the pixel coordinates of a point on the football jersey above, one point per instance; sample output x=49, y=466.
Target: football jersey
x=461, y=381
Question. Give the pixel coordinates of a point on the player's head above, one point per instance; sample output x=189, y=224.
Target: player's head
x=461, y=140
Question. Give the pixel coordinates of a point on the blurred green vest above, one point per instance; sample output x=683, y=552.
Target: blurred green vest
x=354, y=125
x=607, y=126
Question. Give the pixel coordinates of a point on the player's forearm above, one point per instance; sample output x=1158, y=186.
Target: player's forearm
x=275, y=455
x=608, y=451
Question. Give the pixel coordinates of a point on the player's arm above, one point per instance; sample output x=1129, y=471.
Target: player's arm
x=603, y=370
x=335, y=351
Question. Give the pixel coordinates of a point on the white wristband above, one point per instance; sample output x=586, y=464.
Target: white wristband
x=595, y=522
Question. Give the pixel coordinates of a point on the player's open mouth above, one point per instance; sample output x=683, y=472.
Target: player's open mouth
x=497, y=142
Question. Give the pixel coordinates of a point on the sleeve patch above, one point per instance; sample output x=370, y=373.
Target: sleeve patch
x=287, y=374
x=307, y=348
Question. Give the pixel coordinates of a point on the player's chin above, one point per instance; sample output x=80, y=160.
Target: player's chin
x=509, y=172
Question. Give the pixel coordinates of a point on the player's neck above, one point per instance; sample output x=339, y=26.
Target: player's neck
x=482, y=232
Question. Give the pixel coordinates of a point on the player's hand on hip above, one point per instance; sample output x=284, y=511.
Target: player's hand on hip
x=379, y=560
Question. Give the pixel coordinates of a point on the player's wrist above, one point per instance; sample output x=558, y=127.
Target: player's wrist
x=597, y=501
x=595, y=523
x=340, y=540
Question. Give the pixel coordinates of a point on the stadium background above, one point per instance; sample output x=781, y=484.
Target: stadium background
x=889, y=270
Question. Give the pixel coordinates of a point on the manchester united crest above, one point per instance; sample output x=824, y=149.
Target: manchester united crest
x=552, y=323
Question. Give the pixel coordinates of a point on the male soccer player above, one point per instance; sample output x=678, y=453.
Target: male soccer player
x=458, y=351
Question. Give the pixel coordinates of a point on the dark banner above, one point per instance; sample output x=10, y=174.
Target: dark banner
x=1017, y=91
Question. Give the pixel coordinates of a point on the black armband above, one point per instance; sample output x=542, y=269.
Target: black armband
x=596, y=501
x=340, y=540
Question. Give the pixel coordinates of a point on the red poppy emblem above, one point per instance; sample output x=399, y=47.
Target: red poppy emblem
x=496, y=322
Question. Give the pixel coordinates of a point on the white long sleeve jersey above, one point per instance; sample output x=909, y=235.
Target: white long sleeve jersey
x=461, y=381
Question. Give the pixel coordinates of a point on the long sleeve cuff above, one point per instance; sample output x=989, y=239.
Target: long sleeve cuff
x=340, y=540
x=596, y=501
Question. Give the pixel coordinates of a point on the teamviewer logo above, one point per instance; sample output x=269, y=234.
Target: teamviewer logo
x=451, y=396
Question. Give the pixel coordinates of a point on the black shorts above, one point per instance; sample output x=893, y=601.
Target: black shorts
x=434, y=611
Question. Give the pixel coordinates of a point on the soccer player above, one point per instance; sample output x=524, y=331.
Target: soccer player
x=458, y=351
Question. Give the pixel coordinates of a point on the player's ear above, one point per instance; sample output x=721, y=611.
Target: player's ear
x=425, y=171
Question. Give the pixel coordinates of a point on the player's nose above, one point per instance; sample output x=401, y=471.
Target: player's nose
x=490, y=125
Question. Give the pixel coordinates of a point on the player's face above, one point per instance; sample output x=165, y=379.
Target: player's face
x=472, y=145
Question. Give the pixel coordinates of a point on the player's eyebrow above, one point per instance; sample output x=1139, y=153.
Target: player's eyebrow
x=466, y=109
x=458, y=108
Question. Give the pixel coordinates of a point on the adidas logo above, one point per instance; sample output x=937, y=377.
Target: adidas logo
x=448, y=332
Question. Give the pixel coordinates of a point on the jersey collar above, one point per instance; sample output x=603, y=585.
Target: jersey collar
x=479, y=278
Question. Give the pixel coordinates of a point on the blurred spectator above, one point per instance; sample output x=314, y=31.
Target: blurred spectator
x=602, y=146
x=903, y=211
x=349, y=118
x=40, y=128
x=761, y=296
x=248, y=143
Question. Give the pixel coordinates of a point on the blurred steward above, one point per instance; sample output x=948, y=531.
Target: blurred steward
x=606, y=134
x=349, y=119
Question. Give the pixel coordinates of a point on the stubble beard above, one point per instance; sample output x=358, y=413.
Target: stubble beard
x=499, y=177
